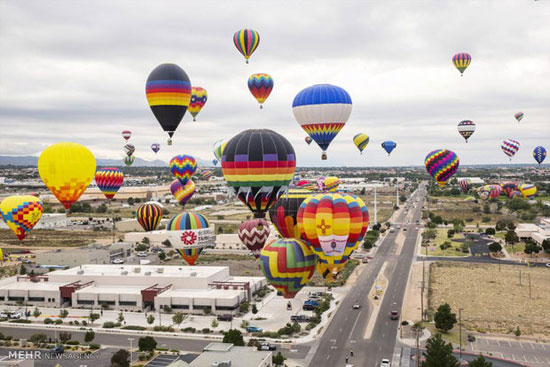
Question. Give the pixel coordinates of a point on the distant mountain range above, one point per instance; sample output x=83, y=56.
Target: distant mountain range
x=6, y=160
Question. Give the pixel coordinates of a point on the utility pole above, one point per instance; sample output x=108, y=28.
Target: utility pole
x=529, y=284
x=520, y=278
x=375, y=214
x=460, y=331
x=131, y=340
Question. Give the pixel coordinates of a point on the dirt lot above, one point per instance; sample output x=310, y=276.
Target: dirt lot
x=493, y=300
x=450, y=208
x=52, y=238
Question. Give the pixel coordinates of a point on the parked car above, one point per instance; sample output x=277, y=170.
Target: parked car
x=58, y=350
x=254, y=329
x=385, y=363
x=142, y=254
x=394, y=315
x=300, y=318
x=4, y=315
x=365, y=260
x=471, y=338
x=117, y=261
x=547, y=265
x=267, y=346
x=15, y=315
x=310, y=304
x=225, y=317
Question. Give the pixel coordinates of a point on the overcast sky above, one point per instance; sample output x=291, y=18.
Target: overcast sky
x=76, y=71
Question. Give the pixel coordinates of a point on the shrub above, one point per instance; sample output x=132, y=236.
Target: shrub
x=48, y=321
x=73, y=342
x=108, y=325
x=134, y=327
x=95, y=346
x=21, y=321
x=189, y=329
x=58, y=321
x=206, y=330
x=163, y=328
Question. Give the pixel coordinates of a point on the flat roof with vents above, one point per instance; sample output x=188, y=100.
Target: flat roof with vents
x=168, y=271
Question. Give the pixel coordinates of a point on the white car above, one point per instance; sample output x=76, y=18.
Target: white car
x=15, y=315
x=117, y=261
x=385, y=363
x=356, y=306
x=142, y=254
x=547, y=265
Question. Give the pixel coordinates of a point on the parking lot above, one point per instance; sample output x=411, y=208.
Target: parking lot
x=530, y=353
x=163, y=360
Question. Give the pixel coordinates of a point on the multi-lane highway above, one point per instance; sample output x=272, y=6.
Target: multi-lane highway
x=348, y=329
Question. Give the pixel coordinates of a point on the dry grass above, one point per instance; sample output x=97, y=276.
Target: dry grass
x=493, y=300
x=52, y=238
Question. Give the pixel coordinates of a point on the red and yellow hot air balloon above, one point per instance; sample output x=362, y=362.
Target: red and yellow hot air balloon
x=21, y=213
x=284, y=212
x=109, y=180
x=149, y=215
x=198, y=100
x=260, y=85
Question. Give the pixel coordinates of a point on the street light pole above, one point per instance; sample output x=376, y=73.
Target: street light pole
x=460, y=331
x=131, y=340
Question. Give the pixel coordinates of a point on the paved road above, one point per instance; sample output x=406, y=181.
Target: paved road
x=347, y=329
x=478, y=259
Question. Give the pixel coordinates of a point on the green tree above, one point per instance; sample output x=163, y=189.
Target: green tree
x=120, y=317
x=38, y=338
x=36, y=312
x=429, y=234
x=89, y=336
x=254, y=309
x=162, y=256
x=444, y=318
x=22, y=269
x=546, y=245
x=146, y=240
x=243, y=308
x=486, y=209
x=121, y=358
x=150, y=319
x=439, y=354
x=64, y=336
x=511, y=238
x=450, y=233
x=178, y=318
x=101, y=209
x=130, y=201
x=63, y=314
x=517, y=332
x=490, y=231
x=480, y=362
x=234, y=337
x=167, y=243
x=531, y=248
x=92, y=317
x=147, y=344
x=244, y=324
x=495, y=247
x=278, y=359
x=214, y=323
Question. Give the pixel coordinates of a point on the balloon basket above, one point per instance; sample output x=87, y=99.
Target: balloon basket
x=169, y=142
x=194, y=119
x=324, y=156
x=261, y=107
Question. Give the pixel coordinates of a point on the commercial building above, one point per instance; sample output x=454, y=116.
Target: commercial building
x=228, y=355
x=537, y=233
x=133, y=287
x=92, y=254
x=47, y=221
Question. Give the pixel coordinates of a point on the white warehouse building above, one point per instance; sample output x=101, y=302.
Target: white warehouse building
x=133, y=287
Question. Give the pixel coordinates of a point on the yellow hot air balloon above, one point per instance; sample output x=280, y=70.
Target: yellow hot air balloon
x=332, y=183
x=361, y=140
x=67, y=169
x=21, y=213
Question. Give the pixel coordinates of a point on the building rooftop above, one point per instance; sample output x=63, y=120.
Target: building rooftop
x=144, y=270
x=199, y=293
x=32, y=286
x=112, y=289
x=239, y=356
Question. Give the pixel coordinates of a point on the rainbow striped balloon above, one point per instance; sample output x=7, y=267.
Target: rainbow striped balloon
x=510, y=147
x=441, y=164
x=198, y=100
x=183, y=166
x=190, y=254
x=260, y=85
x=461, y=61
x=207, y=174
x=21, y=213
x=528, y=190
x=288, y=265
x=519, y=116
x=187, y=220
x=109, y=180
x=149, y=215
x=247, y=41
x=183, y=193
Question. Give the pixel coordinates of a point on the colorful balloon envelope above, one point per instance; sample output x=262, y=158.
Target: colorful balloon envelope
x=247, y=41
x=466, y=128
x=461, y=61
x=67, y=169
x=283, y=214
x=21, y=213
x=322, y=110
x=183, y=193
x=519, y=116
x=149, y=215
x=528, y=190
x=389, y=146
x=126, y=134
x=206, y=174
x=187, y=220
x=441, y=164
x=253, y=234
x=288, y=265
x=361, y=140
x=183, y=166
x=539, y=153
x=155, y=147
x=331, y=183
x=308, y=140
x=464, y=185
x=168, y=91
x=260, y=85
x=510, y=147
x=321, y=184
x=214, y=162
x=515, y=194
x=219, y=146
x=493, y=191
x=509, y=187
x=333, y=224
x=128, y=160
x=109, y=180
x=129, y=149
x=258, y=165
x=198, y=100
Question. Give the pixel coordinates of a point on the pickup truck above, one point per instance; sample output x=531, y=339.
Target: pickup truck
x=310, y=305
x=299, y=318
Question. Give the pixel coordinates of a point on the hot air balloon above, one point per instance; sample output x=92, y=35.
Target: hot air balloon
x=492, y=191
x=129, y=149
x=285, y=210
x=331, y=183
x=149, y=215
x=206, y=174
x=183, y=166
x=253, y=234
x=258, y=164
x=128, y=160
x=288, y=265
x=321, y=184
x=246, y=40
x=214, y=162
x=361, y=140
x=464, y=185
x=219, y=146
x=510, y=147
x=188, y=222
x=260, y=85
x=126, y=134
x=21, y=213
x=466, y=128
x=308, y=140
x=109, y=180
x=155, y=147
x=515, y=194
x=528, y=190
x=389, y=146
x=519, y=116
x=66, y=169
x=168, y=91
x=333, y=225
x=461, y=61
x=509, y=187
x=322, y=110
x=539, y=153
x=183, y=193
x=198, y=100
x=441, y=164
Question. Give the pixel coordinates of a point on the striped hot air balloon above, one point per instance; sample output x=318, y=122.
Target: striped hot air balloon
x=206, y=174
x=528, y=190
x=331, y=183
x=198, y=100
x=361, y=140
x=466, y=128
x=464, y=185
x=283, y=214
x=188, y=223
x=260, y=85
x=253, y=234
x=183, y=193
x=461, y=61
x=21, y=213
x=183, y=167
x=149, y=215
x=126, y=134
x=219, y=146
x=441, y=164
x=129, y=149
x=288, y=265
x=128, y=160
x=109, y=180
x=510, y=147
x=187, y=220
x=247, y=41
x=519, y=116
x=155, y=147
x=308, y=140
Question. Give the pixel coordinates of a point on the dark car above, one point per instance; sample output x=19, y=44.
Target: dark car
x=300, y=318
x=471, y=338
x=394, y=315
x=58, y=350
x=225, y=317
x=267, y=346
